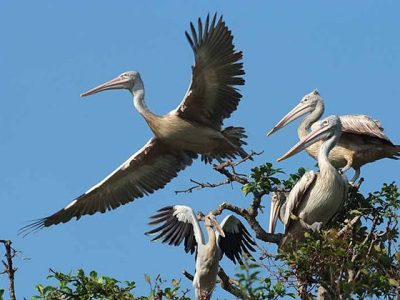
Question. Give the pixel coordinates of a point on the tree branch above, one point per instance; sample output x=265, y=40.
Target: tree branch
x=8, y=267
x=261, y=234
x=231, y=176
x=227, y=283
x=201, y=185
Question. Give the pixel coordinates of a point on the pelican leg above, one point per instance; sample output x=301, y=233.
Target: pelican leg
x=346, y=167
x=355, y=177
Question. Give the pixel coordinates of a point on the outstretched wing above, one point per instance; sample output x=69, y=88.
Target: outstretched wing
x=148, y=170
x=212, y=95
x=237, y=240
x=363, y=125
x=178, y=223
x=296, y=196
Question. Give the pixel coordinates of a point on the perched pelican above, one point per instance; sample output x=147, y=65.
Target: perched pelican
x=230, y=238
x=316, y=197
x=277, y=210
x=362, y=141
x=193, y=128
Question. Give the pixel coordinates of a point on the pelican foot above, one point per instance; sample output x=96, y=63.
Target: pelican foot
x=316, y=226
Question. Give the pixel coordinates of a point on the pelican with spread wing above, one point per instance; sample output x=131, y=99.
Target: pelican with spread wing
x=362, y=141
x=317, y=196
x=230, y=238
x=194, y=127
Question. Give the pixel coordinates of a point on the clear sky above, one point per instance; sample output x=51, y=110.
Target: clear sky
x=54, y=145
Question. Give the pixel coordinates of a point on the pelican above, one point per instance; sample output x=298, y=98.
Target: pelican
x=230, y=238
x=316, y=197
x=194, y=127
x=362, y=141
x=277, y=210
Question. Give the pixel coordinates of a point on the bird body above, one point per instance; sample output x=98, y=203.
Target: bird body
x=207, y=265
x=317, y=196
x=193, y=128
x=230, y=238
x=182, y=134
x=362, y=140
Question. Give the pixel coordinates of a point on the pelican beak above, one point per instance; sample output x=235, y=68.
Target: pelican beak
x=114, y=84
x=299, y=110
x=217, y=227
x=314, y=136
x=273, y=215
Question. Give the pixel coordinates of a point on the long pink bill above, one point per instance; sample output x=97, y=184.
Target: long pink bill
x=313, y=137
x=114, y=84
x=299, y=110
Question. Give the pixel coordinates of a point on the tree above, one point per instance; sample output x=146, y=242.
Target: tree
x=355, y=256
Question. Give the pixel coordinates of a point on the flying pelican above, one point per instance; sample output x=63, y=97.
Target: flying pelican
x=316, y=197
x=193, y=128
x=362, y=141
x=230, y=238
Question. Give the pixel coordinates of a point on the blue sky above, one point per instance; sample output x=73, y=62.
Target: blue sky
x=54, y=145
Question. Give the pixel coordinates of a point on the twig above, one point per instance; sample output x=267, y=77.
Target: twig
x=348, y=225
x=8, y=267
x=200, y=185
x=231, y=176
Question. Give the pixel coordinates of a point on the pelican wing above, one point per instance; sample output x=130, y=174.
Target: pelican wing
x=237, y=240
x=178, y=223
x=212, y=95
x=296, y=196
x=149, y=169
x=364, y=125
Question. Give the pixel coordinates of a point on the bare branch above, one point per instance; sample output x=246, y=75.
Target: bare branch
x=200, y=185
x=8, y=266
x=348, y=225
x=231, y=176
x=261, y=234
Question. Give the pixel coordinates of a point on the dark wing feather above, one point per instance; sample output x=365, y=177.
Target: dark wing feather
x=177, y=225
x=148, y=170
x=212, y=95
x=237, y=240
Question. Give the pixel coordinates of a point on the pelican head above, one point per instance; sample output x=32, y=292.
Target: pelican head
x=321, y=130
x=127, y=80
x=278, y=200
x=307, y=104
x=210, y=221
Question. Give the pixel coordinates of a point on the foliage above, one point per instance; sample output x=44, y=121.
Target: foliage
x=83, y=287
x=358, y=255
x=256, y=288
x=263, y=180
